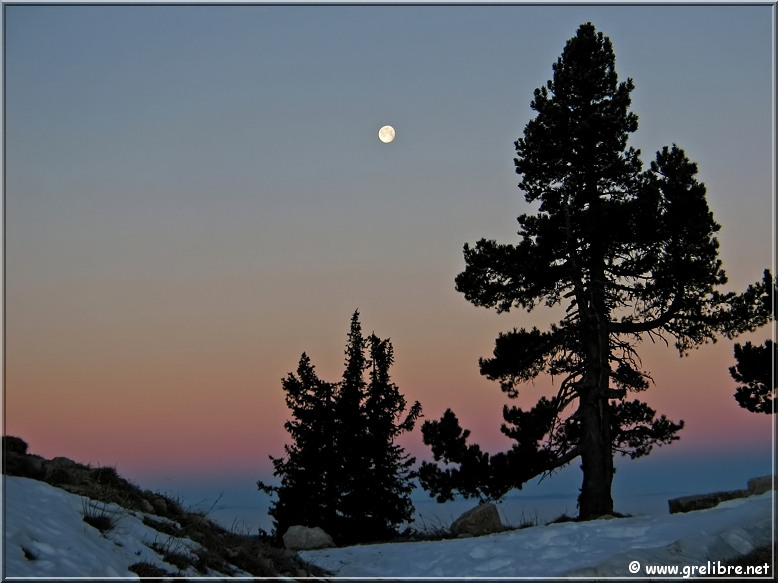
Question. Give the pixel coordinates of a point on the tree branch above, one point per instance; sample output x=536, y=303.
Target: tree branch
x=564, y=459
x=648, y=325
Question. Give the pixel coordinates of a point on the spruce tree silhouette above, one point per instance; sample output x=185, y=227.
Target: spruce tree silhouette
x=626, y=253
x=309, y=474
x=344, y=471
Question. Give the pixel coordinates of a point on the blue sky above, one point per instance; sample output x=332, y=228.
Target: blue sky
x=194, y=195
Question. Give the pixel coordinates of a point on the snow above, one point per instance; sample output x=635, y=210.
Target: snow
x=46, y=523
x=45, y=536
x=599, y=548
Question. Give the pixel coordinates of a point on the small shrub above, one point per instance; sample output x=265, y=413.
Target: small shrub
x=528, y=522
x=166, y=506
x=429, y=531
x=107, y=476
x=564, y=517
x=99, y=516
x=179, y=560
x=173, y=551
x=101, y=522
x=144, y=569
x=207, y=559
x=162, y=526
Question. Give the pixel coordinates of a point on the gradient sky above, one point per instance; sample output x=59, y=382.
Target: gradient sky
x=195, y=195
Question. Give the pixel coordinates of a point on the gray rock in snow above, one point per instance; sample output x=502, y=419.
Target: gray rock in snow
x=703, y=501
x=478, y=521
x=304, y=538
x=760, y=485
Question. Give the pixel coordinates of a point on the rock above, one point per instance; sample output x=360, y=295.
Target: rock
x=36, y=462
x=483, y=519
x=12, y=444
x=304, y=538
x=145, y=506
x=24, y=465
x=60, y=462
x=159, y=505
x=760, y=485
x=703, y=501
x=62, y=470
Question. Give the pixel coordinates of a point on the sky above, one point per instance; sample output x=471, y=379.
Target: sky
x=196, y=194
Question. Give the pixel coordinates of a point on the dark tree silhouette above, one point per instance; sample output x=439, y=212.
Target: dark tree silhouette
x=627, y=253
x=350, y=432
x=344, y=471
x=386, y=493
x=756, y=369
x=311, y=471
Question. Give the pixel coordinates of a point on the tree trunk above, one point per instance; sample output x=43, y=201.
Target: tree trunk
x=594, y=411
x=596, y=457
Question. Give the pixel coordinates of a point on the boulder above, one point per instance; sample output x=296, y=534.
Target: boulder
x=36, y=462
x=478, y=521
x=61, y=462
x=145, y=506
x=703, y=501
x=760, y=485
x=304, y=538
x=24, y=465
x=12, y=444
x=159, y=504
x=62, y=470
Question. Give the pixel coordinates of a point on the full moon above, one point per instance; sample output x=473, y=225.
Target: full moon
x=386, y=134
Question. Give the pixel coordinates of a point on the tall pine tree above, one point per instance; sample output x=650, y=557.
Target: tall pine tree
x=344, y=471
x=626, y=253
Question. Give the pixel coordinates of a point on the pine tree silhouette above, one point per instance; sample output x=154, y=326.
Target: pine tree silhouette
x=628, y=254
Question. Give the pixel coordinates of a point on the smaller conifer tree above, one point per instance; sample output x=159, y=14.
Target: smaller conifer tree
x=344, y=471
x=387, y=497
x=309, y=471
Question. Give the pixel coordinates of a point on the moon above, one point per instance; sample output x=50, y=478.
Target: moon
x=386, y=134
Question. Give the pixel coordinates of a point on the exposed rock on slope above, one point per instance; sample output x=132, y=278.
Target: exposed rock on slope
x=181, y=543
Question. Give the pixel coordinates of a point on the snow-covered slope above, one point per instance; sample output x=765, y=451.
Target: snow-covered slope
x=45, y=536
x=601, y=548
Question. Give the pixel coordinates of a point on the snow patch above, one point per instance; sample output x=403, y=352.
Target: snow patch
x=599, y=548
x=46, y=536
